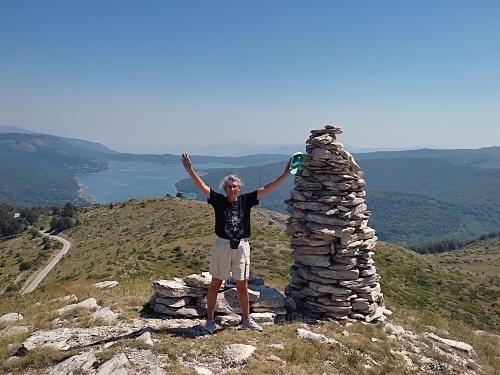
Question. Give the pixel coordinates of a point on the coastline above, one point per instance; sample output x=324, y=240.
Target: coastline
x=146, y=176
x=86, y=197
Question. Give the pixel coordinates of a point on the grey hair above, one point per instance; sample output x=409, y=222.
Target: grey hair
x=230, y=178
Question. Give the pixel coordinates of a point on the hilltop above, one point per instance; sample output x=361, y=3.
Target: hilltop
x=452, y=295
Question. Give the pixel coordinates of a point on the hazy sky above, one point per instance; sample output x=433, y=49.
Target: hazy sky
x=161, y=76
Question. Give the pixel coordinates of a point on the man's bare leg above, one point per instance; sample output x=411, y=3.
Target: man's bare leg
x=213, y=290
x=242, y=288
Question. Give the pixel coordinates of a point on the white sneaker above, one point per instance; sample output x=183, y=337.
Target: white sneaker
x=250, y=323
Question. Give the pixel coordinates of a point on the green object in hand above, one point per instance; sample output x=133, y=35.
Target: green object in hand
x=296, y=160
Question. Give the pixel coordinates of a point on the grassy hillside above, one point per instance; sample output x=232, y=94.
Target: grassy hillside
x=164, y=237
x=141, y=240
x=444, y=284
x=151, y=238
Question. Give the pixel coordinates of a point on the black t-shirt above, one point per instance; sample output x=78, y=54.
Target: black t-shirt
x=232, y=219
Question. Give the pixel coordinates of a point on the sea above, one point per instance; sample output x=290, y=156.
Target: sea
x=126, y=180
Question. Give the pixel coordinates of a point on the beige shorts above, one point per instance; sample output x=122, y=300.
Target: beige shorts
x=224, y=260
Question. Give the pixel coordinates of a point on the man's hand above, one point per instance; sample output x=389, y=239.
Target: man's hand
x=196, y=179
x=287, y=168
x=186, y=162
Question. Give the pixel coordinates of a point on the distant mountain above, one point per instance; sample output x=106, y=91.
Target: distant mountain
x=487, y=157
x=51, y=151
x=93, y=146
x=243, y=148
x=13, y=129
x=5, y=129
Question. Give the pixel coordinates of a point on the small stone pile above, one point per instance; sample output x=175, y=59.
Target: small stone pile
x=333, y=275
x=186, y=298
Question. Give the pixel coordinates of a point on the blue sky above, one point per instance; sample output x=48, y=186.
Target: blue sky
x=165, y=76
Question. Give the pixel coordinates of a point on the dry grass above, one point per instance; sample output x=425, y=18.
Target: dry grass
x=34, y=361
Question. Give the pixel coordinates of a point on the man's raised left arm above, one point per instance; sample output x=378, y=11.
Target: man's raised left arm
x=270, y=186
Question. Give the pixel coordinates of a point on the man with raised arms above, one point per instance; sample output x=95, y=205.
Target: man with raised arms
x=231, y=250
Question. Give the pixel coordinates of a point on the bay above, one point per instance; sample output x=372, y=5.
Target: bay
x=126, y=180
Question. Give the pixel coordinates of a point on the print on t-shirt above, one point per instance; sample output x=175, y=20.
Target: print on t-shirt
x=234, y=221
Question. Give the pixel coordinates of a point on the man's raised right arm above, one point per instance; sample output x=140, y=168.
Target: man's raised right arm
x=200, y=184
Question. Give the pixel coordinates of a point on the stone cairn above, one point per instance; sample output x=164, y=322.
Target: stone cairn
x=186, y=298
x=333, y=274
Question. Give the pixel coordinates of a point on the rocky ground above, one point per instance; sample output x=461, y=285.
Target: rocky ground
x=113, y=345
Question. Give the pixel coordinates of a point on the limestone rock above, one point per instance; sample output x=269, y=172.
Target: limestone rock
x=105, y=284
x=273, y=310
x=202, y=371
x=350, y=274
x=15, y=330
x=174, y=301
x=186, y=311
x=228, y=320
x=306, y=274
x=269, y=297
x=90, y=304
x=331, y=289
x=172, y=288
x=224, y=304
x=452, y=343
x=146, y=338
x=198, y=281
x=328, y=220
x=75, y=364
x=105, y=314
x=264, y=318
x=379, y=311
x=118, y=365
x=309, y=335
x=11, y=317
x=239, y=352
x=56, y=338
x=147, y=361
x=312, y=259
x=253, y=295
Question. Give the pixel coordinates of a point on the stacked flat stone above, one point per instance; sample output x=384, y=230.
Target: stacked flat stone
x=333, y=274
x=186, y=298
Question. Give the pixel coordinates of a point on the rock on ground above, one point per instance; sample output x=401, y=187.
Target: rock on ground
x=106, y=284
x=11, y=317
x=118, y=365
x=89, y=303
x=239, y=352
x=82, y=361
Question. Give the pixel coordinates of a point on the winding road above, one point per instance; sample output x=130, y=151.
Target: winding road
x=53, y=262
